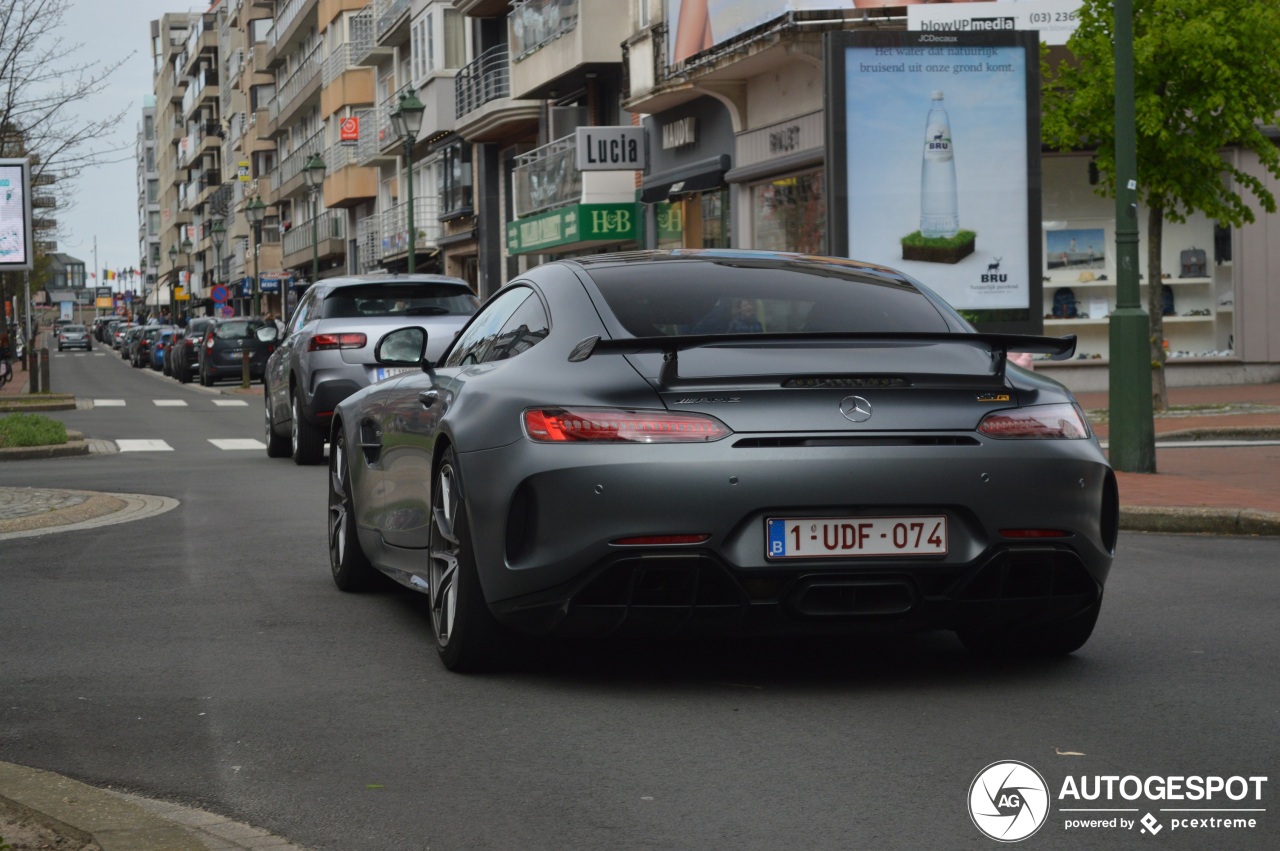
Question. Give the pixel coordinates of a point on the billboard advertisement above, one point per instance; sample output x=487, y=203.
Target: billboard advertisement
x=933, y=147
x=16, y=250
x=697, y=25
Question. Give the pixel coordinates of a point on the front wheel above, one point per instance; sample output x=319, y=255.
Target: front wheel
x=351, y=568
x=468, y=638
x=1057, y=639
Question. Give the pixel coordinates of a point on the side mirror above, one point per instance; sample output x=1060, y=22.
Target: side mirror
x=402, y=347
x=268, y=333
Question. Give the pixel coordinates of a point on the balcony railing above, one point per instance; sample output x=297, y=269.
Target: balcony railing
x=538, y=22
x=306, y=71
x=362, y=37
x=341, y=60
x=380, y=134
x=284, y=19
x=331, y=224
x=547, y=177
x=369, y=242
x=386, y=13
x=395, y=226
x=291, y=166
x=338, y=156
x=484, y=79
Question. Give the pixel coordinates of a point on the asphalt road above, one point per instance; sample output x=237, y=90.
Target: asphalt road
x=203, y=656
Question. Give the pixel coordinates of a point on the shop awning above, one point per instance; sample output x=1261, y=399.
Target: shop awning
x=694, y=177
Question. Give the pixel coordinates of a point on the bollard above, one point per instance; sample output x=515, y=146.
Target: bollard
x=244, y=370
x=33, y=370
x=44, y=372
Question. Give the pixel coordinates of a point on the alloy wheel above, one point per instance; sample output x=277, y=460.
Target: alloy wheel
x=443, y=555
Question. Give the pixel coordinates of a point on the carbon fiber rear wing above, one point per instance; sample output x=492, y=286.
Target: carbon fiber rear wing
x=999, y=345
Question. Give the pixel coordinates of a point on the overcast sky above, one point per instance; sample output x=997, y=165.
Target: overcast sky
x=105, y=197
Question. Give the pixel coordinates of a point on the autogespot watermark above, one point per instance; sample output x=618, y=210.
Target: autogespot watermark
x=1009, y=801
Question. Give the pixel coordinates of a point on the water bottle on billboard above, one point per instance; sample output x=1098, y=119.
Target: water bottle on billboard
x=939, y=209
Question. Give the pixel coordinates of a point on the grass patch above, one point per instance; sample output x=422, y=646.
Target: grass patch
x=30, y=430
x=917, y=240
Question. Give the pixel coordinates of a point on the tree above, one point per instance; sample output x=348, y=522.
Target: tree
x=1206, y=78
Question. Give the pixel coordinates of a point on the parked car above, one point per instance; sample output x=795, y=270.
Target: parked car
x=128, y=342
x=142, y=344
x=118, y=333
x=224, y=344
x=99, y=323
x=185, y=354
x=74, y=337
x=161, y=346
x=616, y=445
x=327, y=351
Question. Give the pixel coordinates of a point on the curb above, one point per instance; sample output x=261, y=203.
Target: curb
x=1199, y=521
x=29, y=403
x=75, y=445
x=86, y=814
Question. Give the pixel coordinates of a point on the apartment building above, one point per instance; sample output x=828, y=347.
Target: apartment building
x=169, y=37
x=148, y=198
x=248, y=159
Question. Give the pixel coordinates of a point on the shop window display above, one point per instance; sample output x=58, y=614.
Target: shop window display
x=789, y=214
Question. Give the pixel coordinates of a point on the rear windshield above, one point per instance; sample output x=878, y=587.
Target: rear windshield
x=237, y=329
x=402, y=299
x=73, y=329
x=667, y=298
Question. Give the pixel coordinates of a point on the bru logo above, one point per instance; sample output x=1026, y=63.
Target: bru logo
x=992, y=275
x=1008, y=801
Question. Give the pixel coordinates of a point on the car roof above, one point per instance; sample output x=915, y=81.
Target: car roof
x=730, y=256
x=329, y=284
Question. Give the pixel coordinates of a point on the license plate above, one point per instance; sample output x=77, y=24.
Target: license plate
x=388, y=371
x=851, y=537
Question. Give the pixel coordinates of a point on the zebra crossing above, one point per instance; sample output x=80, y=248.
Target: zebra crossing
x=228, y=444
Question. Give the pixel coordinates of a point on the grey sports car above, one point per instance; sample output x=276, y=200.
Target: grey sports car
x=723, y=442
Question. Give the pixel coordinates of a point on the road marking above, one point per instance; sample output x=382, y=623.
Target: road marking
x=170, y=403
x=230, y=403
x=143, y=446
x=237, y=443
x=108, y=403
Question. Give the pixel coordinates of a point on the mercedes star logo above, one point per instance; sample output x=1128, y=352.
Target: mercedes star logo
x=855, y=409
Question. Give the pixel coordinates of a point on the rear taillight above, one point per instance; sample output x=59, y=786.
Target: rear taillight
x=609, y=425
x=320, y=342
x=1038, y=422
x=189, y=343
x=208, y=344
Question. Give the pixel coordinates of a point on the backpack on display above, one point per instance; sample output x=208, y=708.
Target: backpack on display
x=1195, y=263
x=1064, y=304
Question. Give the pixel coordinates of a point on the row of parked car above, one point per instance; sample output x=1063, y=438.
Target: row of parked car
x=206, y=348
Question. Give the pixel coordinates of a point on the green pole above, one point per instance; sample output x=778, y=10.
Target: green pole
x=315, y=247
x=413, y=231
x=1132, y=432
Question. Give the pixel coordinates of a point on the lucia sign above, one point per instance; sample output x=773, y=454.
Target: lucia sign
x=610, y=148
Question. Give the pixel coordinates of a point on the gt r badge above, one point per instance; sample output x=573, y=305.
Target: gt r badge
x=993, y=397
x=704, y=400
x=855, y=409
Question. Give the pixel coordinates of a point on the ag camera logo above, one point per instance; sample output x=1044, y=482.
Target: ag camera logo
x=1008, y=801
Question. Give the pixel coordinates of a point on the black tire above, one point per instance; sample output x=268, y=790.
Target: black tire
x=352, y=570
x=277, y=446
x=306, y=442
x=183, y=373
x=1057, y=639
x=205, y=380
x=468, y=637
x=59, y=348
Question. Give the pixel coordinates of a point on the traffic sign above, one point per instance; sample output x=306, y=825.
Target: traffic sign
x=121, y=310
x=218, y=293
x=228, y=311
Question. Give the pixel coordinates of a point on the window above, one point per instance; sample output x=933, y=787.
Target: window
x=790, y=214
x=153, y=222
x=153, y=191
x=151, y=159
x=455, y=179
x=149, y=127
x=399, y=300
x=478, y=340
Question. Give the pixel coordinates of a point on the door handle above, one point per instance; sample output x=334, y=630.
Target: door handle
x=428, y=398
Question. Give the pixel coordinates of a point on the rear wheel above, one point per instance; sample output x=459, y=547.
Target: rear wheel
x=351, y=568
x=183, y=372
x=468, y=638
x=306, y=441
x=1056, y=639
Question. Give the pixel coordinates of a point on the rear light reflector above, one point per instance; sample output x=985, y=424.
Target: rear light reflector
x=208, y=344
x=609, y=425
x=321, y=342
x=660, y=540
x=1034, y=533
x=1038, y=422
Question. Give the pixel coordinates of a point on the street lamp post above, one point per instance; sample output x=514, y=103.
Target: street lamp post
x=219, y=232
x=406, y=119
x=255, y=211
x=313, y=172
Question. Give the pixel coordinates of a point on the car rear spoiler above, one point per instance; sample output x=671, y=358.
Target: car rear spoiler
x=999, y=345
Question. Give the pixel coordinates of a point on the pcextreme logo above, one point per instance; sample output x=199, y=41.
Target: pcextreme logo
x=1009, y=801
